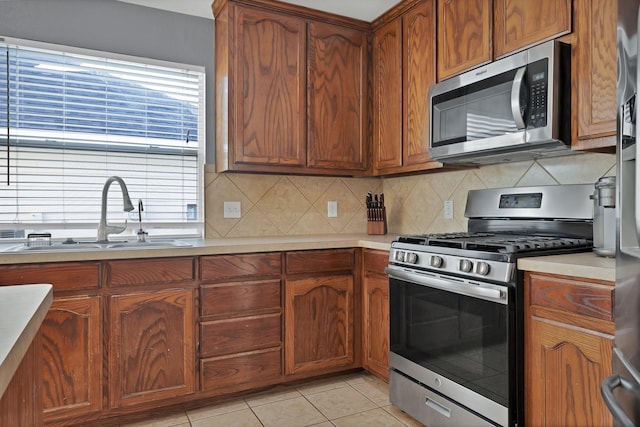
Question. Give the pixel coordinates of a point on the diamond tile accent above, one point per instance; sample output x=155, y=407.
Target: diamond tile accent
x=296, y=205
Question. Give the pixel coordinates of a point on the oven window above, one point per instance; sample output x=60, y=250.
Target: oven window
x=462, y=338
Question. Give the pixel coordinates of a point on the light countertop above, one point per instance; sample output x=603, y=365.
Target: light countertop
x=586, y=264
x=22, y=310
x=209, y=247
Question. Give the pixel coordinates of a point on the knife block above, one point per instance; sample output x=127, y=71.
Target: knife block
x=378, y=226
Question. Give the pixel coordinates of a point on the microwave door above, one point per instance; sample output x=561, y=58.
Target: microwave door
x=479, y=116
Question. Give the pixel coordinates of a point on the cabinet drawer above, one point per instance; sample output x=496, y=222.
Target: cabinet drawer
x=322, y=260
x=241, y=371
x=572, y=295
x=226, y=267
x=375, y=261
x=240, y=335
x=63, y=276
x=240, y=299
x=152, y=271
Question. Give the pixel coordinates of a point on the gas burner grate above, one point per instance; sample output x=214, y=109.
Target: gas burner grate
x=496, y=243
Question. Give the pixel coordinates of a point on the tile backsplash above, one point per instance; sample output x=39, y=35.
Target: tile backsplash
x=276, y=205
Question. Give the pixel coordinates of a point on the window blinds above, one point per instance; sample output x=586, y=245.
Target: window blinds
x=71, y=120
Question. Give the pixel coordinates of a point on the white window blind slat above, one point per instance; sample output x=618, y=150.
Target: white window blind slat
x=76, y=119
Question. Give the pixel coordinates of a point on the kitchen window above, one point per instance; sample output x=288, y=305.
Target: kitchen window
x=71, y=118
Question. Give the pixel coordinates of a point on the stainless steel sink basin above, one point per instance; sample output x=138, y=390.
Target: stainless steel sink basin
x=76, y=246
x=148, y=244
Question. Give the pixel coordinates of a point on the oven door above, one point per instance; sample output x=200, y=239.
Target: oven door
x=456, y=337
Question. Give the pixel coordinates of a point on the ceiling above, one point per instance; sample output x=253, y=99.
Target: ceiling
x=366, y=10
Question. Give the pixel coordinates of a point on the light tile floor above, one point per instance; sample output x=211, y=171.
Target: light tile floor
x=351, y=400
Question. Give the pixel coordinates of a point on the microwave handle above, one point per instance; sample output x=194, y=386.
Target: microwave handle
x=515, y=98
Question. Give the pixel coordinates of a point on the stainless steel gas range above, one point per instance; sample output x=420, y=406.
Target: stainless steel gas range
x=456, y=303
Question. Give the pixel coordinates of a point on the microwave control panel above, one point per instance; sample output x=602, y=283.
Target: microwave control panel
x=538, y=90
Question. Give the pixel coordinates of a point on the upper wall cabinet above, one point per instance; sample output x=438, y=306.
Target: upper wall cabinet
x=594, y=74
x=404, y=69
x=474, y=32
x=290, y=91
x=336, y=97
x=522, y=23
x=464, y=35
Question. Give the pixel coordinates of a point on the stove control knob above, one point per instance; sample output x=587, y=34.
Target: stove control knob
x=465, y=265
x=411, y=257
x=482, y=268
x=399, y=256
x=435, y=261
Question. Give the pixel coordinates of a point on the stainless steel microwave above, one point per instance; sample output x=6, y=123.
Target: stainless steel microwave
x=515, y=108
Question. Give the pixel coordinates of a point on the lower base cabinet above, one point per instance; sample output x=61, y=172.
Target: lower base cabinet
x=568, y=349
x=241, y=371
x=125, y=338
x=319, y=324
x=151, y=351
x=21, y=402
x=72, y=354
x=375, y=313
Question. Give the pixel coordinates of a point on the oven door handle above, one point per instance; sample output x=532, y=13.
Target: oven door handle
x=485, y=292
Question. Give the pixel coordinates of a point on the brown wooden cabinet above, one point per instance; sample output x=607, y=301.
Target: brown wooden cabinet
x=21, y=402
x=337, y=134
x=241, y=322
x=72, y=355
x=291, y=91
x=375, y=313
x=404, y=69
x=464, y=35
x=269, y=88
x=594, y=74
x=568, y=349
x=71, y=336
x=519, y=24
x=319, y=311
x=151, y=346
x=475, y=32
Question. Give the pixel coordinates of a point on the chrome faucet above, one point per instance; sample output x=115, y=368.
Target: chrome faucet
x=105, y=229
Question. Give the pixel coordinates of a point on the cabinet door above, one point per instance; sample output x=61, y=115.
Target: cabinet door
x=337, y=86
x=375, y=310
x=387, y=96
x=72, y=357
x=269, y=88
x=319, y=324
x=464, y=35
x=564, y=368
x=522, y=23
x=152, y=349
x=595, y=71
x=419, y=74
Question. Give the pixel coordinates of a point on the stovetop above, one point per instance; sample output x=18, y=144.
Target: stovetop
x=504, y=243
x=478, y=255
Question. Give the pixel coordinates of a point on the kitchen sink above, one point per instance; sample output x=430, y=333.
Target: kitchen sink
x=70, y=245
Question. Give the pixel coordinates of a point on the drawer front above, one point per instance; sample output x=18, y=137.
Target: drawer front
x=240, y=299
x=375, y=261
x=230, y=267
x=320, y=261
x=63, y=276
x=572, y=295
x=241, y=371
x=152, y=271
x=240, y=335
